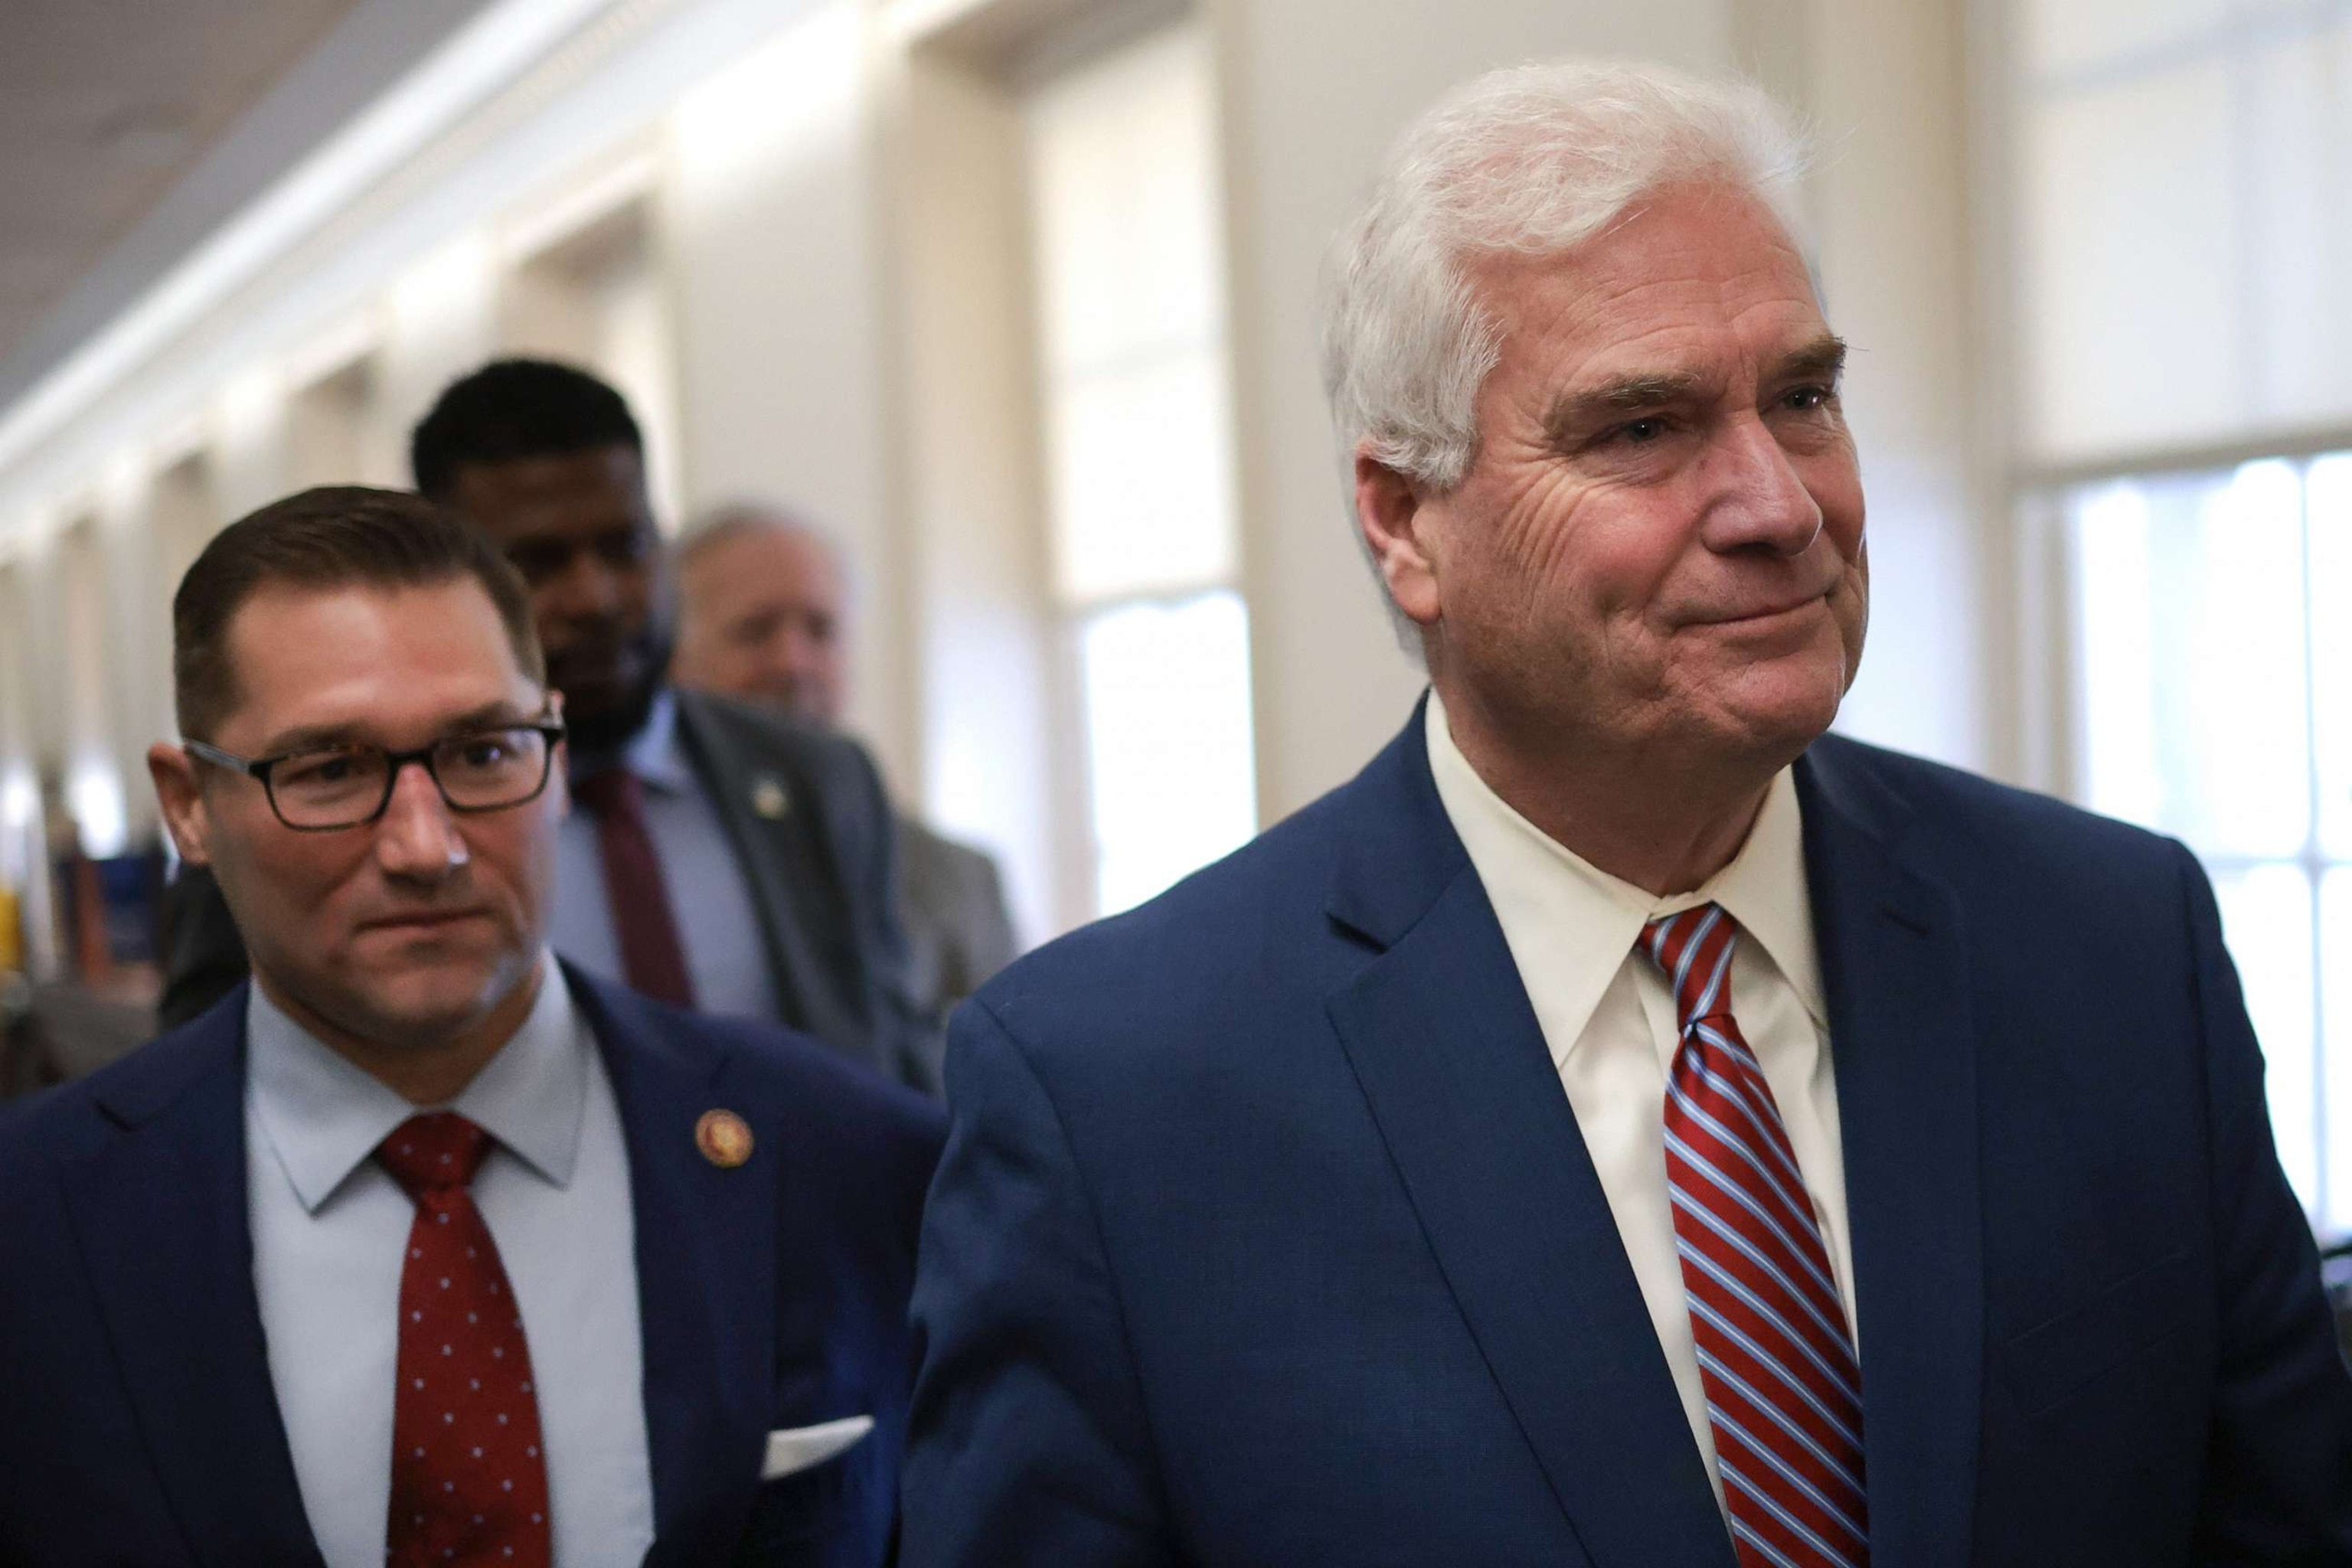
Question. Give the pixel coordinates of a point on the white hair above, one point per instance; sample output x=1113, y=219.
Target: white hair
x=1531, y=159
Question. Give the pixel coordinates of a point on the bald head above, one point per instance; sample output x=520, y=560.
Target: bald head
x=763, y=608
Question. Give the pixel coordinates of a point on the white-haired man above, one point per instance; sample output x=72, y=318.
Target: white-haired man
x=1623, y=1126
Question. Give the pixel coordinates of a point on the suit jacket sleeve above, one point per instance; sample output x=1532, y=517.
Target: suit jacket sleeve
x=1028, y=1440
x=204, y=956
x=2279, y=1478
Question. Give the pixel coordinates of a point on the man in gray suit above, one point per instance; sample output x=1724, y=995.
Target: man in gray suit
x=718, y=856
x=765, y=602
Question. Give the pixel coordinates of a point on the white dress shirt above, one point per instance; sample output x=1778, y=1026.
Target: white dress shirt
x=1608, y=1016
x=330, y=1233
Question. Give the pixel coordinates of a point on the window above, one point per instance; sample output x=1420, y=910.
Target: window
x=2182, y=323
x=2183, y=239
x=2215, y=690
x=1139, y=465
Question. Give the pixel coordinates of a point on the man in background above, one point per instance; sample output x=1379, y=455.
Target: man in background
x=718, y=858
x=423, y=1246
x=765, y=602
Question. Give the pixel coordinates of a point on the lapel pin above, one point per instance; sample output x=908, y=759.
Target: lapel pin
x=769, y=799
x=724, y=1137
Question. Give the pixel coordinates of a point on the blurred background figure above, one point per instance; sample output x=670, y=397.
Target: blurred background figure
x=765, y=601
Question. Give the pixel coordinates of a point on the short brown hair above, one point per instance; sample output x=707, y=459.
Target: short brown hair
x=334, y=536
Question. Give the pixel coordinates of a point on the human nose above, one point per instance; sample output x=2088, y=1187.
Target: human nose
x=416, y=838
x=1760, y=500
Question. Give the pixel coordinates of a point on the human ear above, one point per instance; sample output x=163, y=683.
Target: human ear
x=183, y=800
x=1392, y=515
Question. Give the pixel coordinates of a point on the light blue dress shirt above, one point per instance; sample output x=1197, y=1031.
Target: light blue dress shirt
x=329, y=1237
x=718, y=925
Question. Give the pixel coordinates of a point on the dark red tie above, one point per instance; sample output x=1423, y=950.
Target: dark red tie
x=651, y=959
x=468, y=1482
x=1783, y=1388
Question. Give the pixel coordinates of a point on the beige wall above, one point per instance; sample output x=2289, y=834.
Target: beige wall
x=769, y=220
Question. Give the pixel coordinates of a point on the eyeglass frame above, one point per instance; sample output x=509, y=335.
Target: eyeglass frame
x=548, y=726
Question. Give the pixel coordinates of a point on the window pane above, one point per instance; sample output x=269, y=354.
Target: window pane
x=1123, y=181
x=2181, y=229
x=2115, y=620
x=1142, y=473
x=1123, y=188
x=2266, y=919
x=2336, y=1022
x=1171, y=775
x=2128, y=216
x=2328, y=496
x=2296, y=105
x=2190, y=605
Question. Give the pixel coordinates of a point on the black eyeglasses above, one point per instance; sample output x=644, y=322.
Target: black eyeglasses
x=325, y=788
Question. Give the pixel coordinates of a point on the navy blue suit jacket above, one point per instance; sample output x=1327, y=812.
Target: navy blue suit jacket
x=1265, y=1234
x=138, y=1424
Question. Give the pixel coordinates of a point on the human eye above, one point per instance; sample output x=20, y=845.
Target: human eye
x=1647, y=430
x=321, y=785
x=486, y=753
x=1810, y=398
x=538, y=561
x=316, y=769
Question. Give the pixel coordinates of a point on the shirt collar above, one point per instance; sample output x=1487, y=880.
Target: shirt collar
x=1538, y=884
x=652, y=753
x=323, y=1115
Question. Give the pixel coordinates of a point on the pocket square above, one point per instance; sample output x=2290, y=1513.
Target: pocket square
x=797, y=1448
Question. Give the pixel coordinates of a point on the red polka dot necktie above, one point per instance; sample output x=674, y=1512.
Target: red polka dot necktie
x=468, y=1481
x=1775, y=1356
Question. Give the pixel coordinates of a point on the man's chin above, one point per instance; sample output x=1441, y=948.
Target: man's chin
x=428, y=1008
x=599, y=715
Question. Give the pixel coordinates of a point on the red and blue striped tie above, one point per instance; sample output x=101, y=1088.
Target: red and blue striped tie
x=1783, y=1388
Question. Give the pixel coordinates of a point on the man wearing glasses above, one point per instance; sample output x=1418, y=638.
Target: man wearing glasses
x=430, y=1249
x=718, y=857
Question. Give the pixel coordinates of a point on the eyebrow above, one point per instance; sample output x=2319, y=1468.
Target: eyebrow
x=1822, y=358
x=328, y=737
x=1618, y=397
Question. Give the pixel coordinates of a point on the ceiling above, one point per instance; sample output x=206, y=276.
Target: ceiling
x=102, y=109
x=130, y=131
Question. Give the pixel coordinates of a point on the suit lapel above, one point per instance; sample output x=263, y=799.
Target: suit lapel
x=766, y=813
x=160, y=1214
x=1453, y=1065
x=706, y=1246
x=1894, y=963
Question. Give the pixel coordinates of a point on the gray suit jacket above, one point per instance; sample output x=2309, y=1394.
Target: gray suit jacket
x=958, y=931
x=816, y=838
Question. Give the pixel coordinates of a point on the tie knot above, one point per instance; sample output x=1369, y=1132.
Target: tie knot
x=434, y=1153
x=1693, y=948
x=610, y=791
